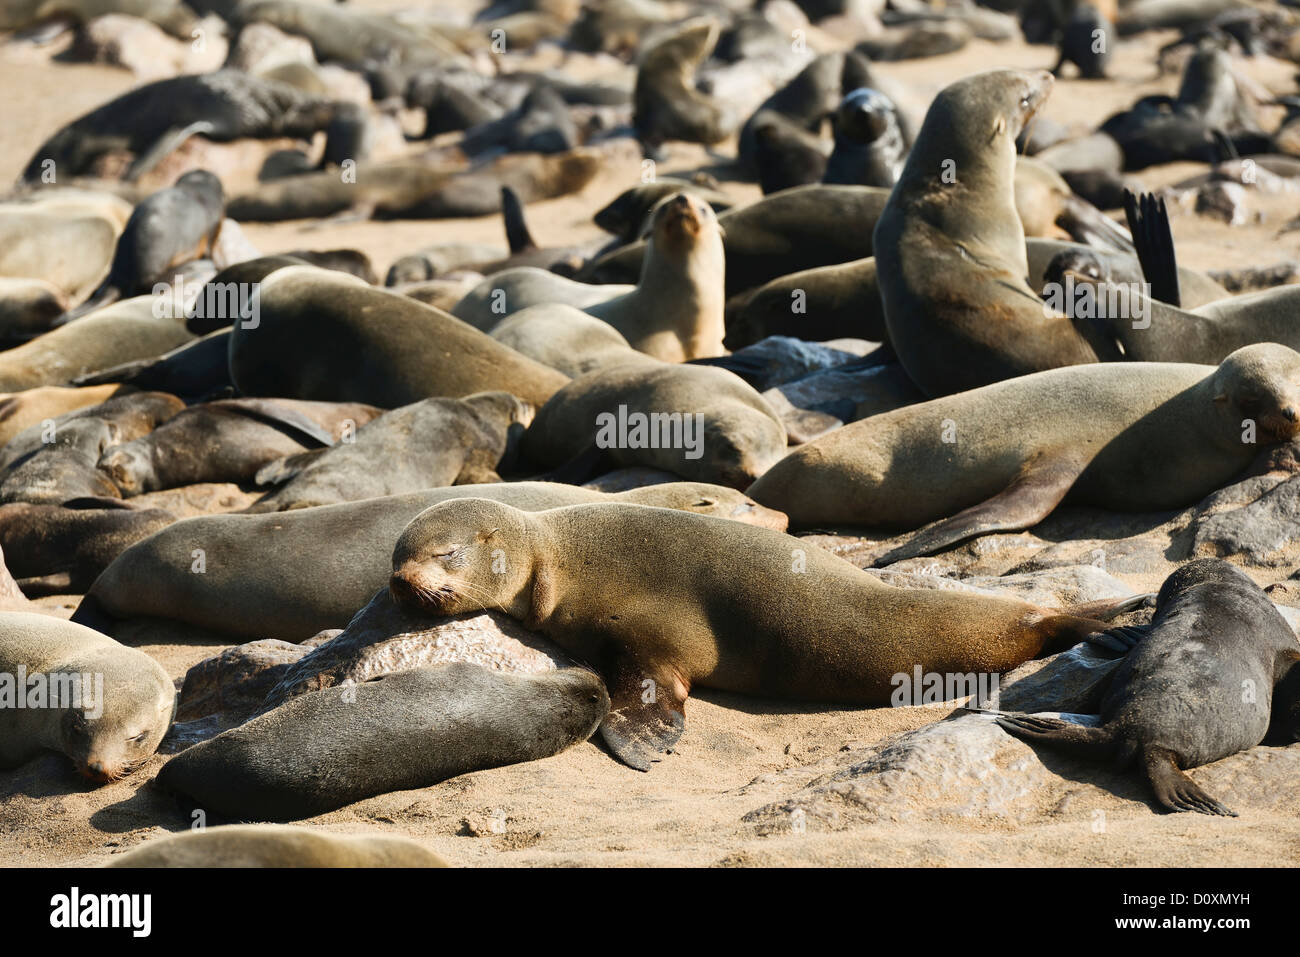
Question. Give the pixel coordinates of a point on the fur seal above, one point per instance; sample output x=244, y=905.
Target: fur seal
x=261, y=572
x=1205, y=334
x=950, y=247
x=794, y=229
x=270, y=845
x=62, y=549
x=626, y=214
x=170, y=228
x=702, y=423
x=227, y=441
x=127, y=330
x=666, y=103
x=327, y=319
x=656, y=619
x=676, y=311
x=1154, y=436
x=69, y=250
x=432, y=443
x=869, y=144
x=405, y=730
x=108, y=729
x=151, y=121
x=1087, y=41
x=20, y=410
x=28, y=307
x=562, y=337
x=57, y=462
x=1178, y=699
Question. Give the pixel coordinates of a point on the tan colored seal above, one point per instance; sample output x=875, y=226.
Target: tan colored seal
x=659, y=600
x=272, y=845
x=109, y=721
x=1128, y=436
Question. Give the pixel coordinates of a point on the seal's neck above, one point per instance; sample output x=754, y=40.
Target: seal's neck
x=684, y=292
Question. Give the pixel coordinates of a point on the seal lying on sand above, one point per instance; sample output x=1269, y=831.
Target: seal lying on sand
x=1180, y=698
x=1128, y=436
x=409, y=729
x=108, y=719
x=264, y=577
x=704, y=601
x=267, y=845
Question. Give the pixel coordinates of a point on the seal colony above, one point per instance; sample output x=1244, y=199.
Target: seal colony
x=752, y=329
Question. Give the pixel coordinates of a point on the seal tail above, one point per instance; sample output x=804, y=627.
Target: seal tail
x=1093, y=744
x=1148, y=221
x=517, y=234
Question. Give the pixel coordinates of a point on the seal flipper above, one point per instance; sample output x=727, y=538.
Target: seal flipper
x=1087, y=224
x=1075, y=739
x=1174, y=789
x=1030, y=498
x=646, y=712
x=517, y=234
x=163, y=147
x=1148, y=221
x=282, y=470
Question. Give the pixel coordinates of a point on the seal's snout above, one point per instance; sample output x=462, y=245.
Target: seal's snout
x=95, y=770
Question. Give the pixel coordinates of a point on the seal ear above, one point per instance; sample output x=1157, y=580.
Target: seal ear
x=646, y=712
x=999, y=127
x=487, y=536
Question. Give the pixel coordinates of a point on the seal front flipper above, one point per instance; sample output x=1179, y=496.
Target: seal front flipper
x=289, y=467
x=1148, y=221
x=1030, y=498
x=1174, y=789
x=646, y=712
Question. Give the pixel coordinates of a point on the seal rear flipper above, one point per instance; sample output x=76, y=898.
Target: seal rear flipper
x=298, y=426
x=1087, y=224
x=517, y=234
x=163, y=147
x=1148, y=221
x=1174, y=789
x=289, y=467
x=1029, y=499
x=1076, y=739
x=646, y=714
x=583, y=467
x=1119, y=640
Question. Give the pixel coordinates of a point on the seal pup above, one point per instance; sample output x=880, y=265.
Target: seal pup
x=950, y=247
x=271, y=845
x=170, y=228
x=428, y=444
x=702, y=423
x=1132, y=437
x=740, y=609
x=228, y=440
x=326, y=319
x=410, y=729
x=1177, y=701
x=263, y=579
x=114, y=704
